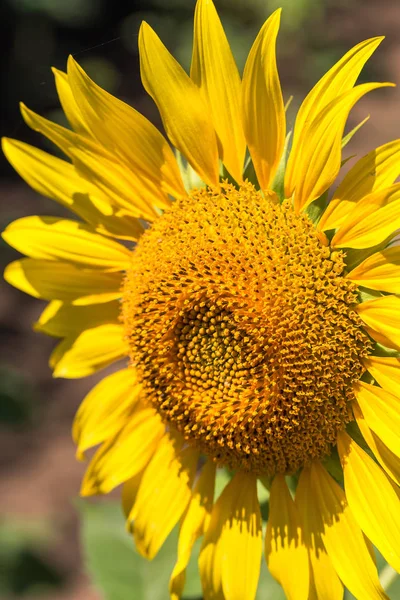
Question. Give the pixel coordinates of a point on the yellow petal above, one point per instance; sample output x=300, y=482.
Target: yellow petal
x=314, y=163
x=128, y=497
x=342, y=538
x=125, y=132
x=62, y=137
x=215, y=72
x=69, y=104
x=105, y=409
x=381, y=411
x=381, y=271
x=125, y=454
x=117, y=183
x=388, y=461
x=371, y=221
x=383, y=315
x=264, y=119
x=324, y=581
x=98, y=166
x=285, y=550
x=230, y=556
x=63, y=281
x=194, y=522
x=61, y=319
x=381, y=339
x=164, y=494
x=53, y=238
x=386, y=371
x=185, y=115
x=339, y=79
x=372, y=499
x=58, y=179
x=372, y=173
x=89, y=351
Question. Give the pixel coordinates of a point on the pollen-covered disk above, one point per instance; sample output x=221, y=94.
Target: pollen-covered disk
x=242, y=329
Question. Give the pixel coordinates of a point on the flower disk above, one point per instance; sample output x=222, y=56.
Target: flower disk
x=242, y=329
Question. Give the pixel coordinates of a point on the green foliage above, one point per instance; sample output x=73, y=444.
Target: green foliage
x=120, y=573
x=112, y=561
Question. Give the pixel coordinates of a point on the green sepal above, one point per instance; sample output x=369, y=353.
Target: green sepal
x=316, y=209
x=333, y=466
x=278, y=183
x=226, y=176
x=366, y=294
x=249, y=173
x=222, y=478
x=346, y=160
x=354, y=432
x=263, y=498
x=381, y=350
x=346, y=139
x=355, y=256
x=189, y=176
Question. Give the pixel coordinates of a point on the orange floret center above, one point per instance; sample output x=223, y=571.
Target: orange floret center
x=242, y=329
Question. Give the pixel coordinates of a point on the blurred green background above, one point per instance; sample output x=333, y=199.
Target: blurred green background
x=40, y=552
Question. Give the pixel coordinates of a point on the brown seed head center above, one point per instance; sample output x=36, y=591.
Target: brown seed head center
x=242, y=329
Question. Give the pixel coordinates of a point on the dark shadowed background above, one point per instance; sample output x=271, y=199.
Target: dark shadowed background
x=40, y=554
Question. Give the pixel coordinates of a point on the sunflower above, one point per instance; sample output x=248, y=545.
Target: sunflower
x=260, y=319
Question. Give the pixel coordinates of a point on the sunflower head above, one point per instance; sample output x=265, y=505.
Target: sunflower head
x=257, y=312
x=242, y=328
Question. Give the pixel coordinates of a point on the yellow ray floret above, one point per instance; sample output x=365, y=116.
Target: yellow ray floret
x=383, y=315
x=371, y=221
x=69, y=104
x=324, y=580
x=381, y=411
x=263, y=110
x=386, y=458
x=341, y=535
x=57, y=239
x=164, y=493
x=182, y=107
x=317, y=161
x=285, y=549
x=84, y=353
x=372, y=173
x=386, y=371
x=321, y=107
x=194, y=523
x=104, y=410
x=214, y=71
x=123, y=130
x=125, y=453
x=381, y=271
x=61, y=319
x=231, y=552
x=52, y=280
x=372, y=499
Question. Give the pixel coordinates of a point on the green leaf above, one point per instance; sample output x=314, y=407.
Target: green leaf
x=112, y=561
x=120, y=573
